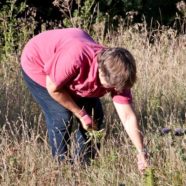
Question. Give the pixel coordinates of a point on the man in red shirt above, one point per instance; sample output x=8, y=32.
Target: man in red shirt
x=66, y=72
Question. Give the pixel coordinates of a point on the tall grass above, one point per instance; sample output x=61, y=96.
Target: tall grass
x=159, y=97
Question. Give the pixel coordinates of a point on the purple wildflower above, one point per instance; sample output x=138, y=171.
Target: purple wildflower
x=178, y=132
x=165, y=130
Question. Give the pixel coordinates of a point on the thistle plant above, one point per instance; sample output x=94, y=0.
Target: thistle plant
x=149, y=177
x=95, y=136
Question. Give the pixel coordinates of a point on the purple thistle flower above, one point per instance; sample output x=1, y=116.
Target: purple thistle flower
x=165, y=130
x=178, y=132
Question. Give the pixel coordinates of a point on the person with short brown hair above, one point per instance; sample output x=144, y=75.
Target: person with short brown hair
x=118, y=67
x=66, y=72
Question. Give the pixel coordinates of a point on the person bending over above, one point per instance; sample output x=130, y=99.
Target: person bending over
x=67, y=72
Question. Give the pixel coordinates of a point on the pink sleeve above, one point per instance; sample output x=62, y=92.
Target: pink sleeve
x=62, y=67
x=124, y=97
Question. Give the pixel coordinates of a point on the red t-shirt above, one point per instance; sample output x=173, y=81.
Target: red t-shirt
x=69, y=57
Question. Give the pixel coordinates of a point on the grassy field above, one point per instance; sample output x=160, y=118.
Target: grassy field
x=159, y=98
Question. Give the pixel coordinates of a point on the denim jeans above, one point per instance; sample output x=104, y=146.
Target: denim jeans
x=59, y=122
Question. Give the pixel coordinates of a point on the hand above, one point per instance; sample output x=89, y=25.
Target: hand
x=86, y=121
x=142, y=161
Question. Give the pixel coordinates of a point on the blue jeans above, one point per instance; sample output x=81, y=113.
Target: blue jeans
x=59, y=122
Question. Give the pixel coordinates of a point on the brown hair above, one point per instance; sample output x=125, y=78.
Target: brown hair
x=118, y=67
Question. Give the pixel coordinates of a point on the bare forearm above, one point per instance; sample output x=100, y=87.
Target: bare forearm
x=129, y=120
x=133, y=130
x=63, y=98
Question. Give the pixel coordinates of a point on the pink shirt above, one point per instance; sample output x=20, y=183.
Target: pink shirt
x=69, y=57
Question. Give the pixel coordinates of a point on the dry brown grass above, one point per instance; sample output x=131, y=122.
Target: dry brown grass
x=159, y=97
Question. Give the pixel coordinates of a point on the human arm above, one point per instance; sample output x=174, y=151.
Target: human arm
x=62, y=96
x=130, y=123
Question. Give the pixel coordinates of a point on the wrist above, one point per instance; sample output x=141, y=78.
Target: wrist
x=82, y=113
